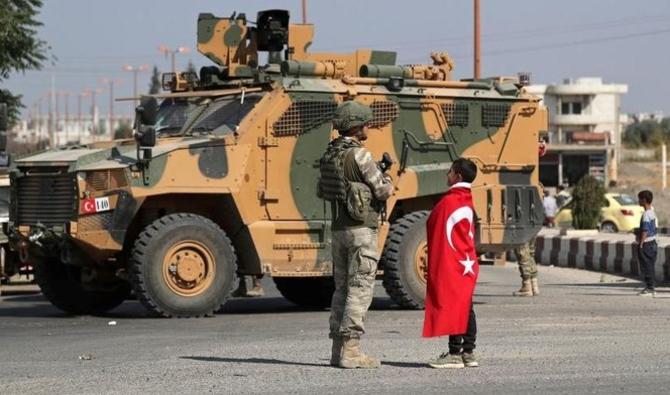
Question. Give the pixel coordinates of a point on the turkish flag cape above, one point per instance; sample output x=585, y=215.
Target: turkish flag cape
x=452, y=263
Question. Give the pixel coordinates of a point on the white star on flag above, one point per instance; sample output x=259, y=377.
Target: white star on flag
x=467, y=264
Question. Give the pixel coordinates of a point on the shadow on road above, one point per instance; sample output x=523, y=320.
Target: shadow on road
x=265, y=361
x=619, y=284
x=18, y=297
x=405, y=365
x=278, y=305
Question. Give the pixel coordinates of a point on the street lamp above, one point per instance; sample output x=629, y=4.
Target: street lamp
x=66, y=96
x=111, y=83
x=94, y=126
x=135, y=70
x=167, y=51
x=80, y=126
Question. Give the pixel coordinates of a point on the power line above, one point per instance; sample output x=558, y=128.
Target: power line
x=522, y=33
x=578, y=43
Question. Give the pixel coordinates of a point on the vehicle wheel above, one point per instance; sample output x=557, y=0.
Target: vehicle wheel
x=608, y=227
x=307, y=292
x=182, y=265
x=405, y=260
x=62, y=285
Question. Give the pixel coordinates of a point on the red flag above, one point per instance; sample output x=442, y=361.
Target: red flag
x=452, y=263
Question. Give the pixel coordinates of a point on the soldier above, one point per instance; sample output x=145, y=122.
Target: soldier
x=528, y=269
x=256, y=287
x=356, y=187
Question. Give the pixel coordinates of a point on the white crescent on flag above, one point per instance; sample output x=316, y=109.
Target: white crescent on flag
x=457, y=216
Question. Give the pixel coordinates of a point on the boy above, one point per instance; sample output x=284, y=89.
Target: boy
x=647, y=242
x=453, y=269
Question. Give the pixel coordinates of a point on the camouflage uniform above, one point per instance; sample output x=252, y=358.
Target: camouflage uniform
x=356, y=187
x=526, y=257
x=528, y=270
x=355, y=249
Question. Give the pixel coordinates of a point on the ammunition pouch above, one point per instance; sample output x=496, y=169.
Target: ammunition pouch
x=358, y=201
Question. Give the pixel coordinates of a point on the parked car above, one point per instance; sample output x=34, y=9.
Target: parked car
x=620, y=214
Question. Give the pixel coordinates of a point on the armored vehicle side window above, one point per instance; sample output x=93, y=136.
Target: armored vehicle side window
x=224, y=115
x=172, y=115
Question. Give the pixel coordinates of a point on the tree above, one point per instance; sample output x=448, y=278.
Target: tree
x=20, y=48
x=588, y=197
x=123, y=131
x=155, y=82
x=648, y=133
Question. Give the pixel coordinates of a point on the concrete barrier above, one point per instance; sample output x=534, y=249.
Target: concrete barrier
x=605, y=252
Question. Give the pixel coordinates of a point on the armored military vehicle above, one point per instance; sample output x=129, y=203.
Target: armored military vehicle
x=222, y=174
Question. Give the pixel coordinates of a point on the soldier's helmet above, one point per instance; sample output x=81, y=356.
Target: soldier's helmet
x=351, y=114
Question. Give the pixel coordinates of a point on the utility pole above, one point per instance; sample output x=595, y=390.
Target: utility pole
x=80, y=124
x=66, y=96
x=304, y=12
x=111, y=83
x=477, y=63
x=167, y=51
x=664, y=167
x=94, y=124
x=56, y=134
x=135, y=70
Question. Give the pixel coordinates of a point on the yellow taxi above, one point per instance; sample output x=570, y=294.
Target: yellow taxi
x=620, y=214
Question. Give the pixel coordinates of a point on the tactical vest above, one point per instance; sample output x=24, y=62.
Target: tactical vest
x=332, y=183
x=341, y=190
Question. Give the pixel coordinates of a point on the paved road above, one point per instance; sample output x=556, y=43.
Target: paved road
x=580, y=336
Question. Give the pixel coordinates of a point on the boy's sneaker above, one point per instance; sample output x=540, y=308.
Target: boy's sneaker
x=647, y=292
x=447, y=361
x=469, y=360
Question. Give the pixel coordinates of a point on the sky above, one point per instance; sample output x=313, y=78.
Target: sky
x=620, y=41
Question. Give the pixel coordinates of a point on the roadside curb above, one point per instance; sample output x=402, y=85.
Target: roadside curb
x=603, y=253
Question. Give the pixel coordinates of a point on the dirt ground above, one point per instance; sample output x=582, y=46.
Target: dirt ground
x=636, y=176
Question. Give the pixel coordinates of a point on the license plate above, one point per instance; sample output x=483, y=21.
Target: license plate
x=95, y=205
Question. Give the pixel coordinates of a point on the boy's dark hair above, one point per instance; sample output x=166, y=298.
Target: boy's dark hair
x=466, y=168
x=646, y=195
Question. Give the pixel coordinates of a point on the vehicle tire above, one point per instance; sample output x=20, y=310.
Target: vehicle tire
x=315, y=293
x=62, y=285
x=182, y=265
x=405, y=260
x=608, y=227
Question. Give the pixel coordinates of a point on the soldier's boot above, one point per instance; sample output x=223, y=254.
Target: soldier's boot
x=535, y=286
x=241, y=290
x=525, y=290
x=257, y=289
x=336, y=353
x=353, y=358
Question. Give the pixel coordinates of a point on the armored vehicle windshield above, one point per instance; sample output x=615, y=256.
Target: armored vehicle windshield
x=219, y=116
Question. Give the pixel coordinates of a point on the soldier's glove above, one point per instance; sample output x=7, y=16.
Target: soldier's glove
x=385, y=163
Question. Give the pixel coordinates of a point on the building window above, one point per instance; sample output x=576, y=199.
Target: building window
x=565, y=108
x=574, y=107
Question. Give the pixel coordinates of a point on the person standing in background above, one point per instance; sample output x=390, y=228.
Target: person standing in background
x=647, y=247
x=550, y=209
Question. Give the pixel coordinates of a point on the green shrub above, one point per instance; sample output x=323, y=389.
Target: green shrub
x=588, y=196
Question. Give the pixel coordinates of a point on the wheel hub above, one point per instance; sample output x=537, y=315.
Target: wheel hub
x=421, y=262
x=188, y=268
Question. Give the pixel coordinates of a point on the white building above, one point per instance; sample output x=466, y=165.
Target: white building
x=71, y=130
x=584, y=130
